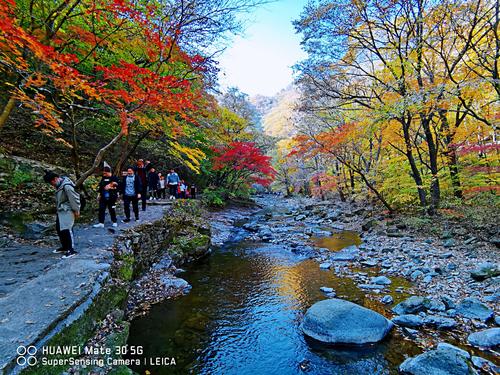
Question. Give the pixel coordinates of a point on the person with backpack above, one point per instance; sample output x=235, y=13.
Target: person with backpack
x=172, y=182
x=131, y=189
x=67, y=210
x=108, y=195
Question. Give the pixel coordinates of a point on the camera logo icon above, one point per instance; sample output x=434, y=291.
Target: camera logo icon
x=26, y=355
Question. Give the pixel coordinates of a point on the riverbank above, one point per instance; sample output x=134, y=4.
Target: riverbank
x=301, y=240
x=456, y=273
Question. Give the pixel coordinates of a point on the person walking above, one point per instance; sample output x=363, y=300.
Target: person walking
x=153, y=181
x=182, y=189
x=172, y=182
x=193, y=191
x=68, y=208
x=131, y=192
x=108, y=195
x=142, y=173
x=161, y=185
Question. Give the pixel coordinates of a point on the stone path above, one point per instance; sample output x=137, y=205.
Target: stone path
x=38, y=289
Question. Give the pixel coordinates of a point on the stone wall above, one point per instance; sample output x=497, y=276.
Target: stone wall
x=182, y=234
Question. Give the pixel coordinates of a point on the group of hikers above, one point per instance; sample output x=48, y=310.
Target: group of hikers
x=137, y=184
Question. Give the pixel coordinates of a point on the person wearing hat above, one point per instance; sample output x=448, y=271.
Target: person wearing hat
x=108, y=195
x=68, y=208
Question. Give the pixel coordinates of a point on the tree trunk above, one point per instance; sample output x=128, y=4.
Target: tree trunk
x=455, y=178
x=98, y=159
x=7, y=110
x=433, y=163
x=126, y=155
x=415, y=173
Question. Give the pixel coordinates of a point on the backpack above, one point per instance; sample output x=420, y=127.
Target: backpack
x=82, y=198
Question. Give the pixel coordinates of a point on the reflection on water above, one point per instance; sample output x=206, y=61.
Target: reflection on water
x=243, y=315
x=338, y=241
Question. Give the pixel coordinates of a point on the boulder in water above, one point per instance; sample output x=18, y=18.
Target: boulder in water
x=485, y=271
x=411, y=305
x=489, y=338
x=445, y=360
x=336, y=321
x=380, y=280
x=409, y=320
x=472, y=308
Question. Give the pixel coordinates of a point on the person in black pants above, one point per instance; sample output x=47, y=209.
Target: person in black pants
x=108, y=194
x=131, y=192
x=153, y=183
x=141, y=171
x=68, y=209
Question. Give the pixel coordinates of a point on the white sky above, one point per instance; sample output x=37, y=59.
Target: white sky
x=260, y=61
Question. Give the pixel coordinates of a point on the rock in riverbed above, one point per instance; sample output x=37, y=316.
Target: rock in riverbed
x=409, y=320
x=337, y=321
x=474, y=309
x=411, y=305
x=489, y=338
x=485, y=271
x=380, y=280
x=445, y=360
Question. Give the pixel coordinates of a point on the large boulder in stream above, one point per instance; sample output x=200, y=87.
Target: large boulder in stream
x=489, y=338
x=336, y=321
x=445, y=360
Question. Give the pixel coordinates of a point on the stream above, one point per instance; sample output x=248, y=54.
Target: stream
x=244, y=311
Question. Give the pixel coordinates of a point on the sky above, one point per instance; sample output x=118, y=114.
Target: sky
x=260, y=61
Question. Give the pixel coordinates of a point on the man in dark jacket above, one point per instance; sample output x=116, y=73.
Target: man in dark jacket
x=131, y=189
x=108, y=194
x=68, y=208
x=141, y=171
x=153, y=183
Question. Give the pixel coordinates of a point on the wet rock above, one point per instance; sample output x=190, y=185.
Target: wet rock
x=412, y=305
x=441, y=361
x=495, y=241
x=326, y=289
x=446, y=255
x=427, y=279
x=380, y=280
x=474, y=309
x=325, y=266
x=349, y=253
x=440, y=322
x=251, y=227
x=435, y=304
x=342, y=322
x=485, y=365
x=448, y=302
x=369, y=225
x=489, y=338
x=416, y=274
x=369, y=263
x=408, y=320
x=485, y=271
x=371, y=286
x=386, y=264
x=445, y=345
x=387, y=299
x=449, y=243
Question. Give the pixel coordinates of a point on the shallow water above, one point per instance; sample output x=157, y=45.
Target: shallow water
x=243, y=317
x=338, y=241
